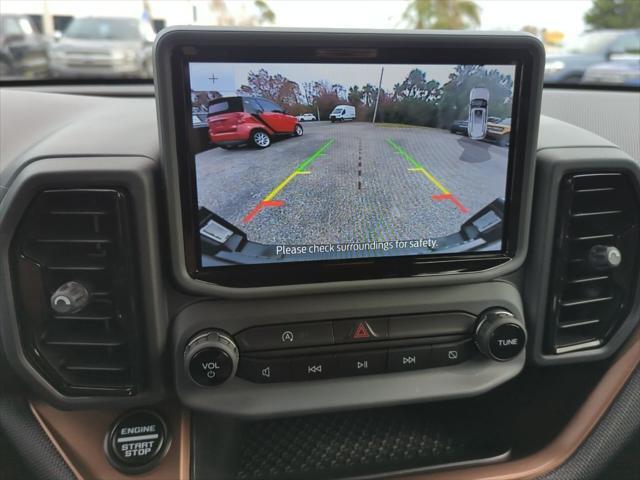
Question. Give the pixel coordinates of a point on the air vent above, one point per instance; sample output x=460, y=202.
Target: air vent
x=598, y=225
x=79, y=236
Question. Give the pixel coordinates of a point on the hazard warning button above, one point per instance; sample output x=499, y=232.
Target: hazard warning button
x=360, y=330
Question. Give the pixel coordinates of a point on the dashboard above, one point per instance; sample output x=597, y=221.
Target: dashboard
x=196, y=304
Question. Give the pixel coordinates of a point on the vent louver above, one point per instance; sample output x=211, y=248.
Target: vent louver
x=81, y=236
x=596, y=211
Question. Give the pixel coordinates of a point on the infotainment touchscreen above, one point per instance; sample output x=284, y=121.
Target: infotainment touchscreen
x=298, y=162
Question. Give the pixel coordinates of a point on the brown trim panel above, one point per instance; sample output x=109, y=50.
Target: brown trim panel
x=79, y=438
x=568, y=441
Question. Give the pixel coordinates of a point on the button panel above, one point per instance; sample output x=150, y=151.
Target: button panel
x=318, y=350
x=351, y=364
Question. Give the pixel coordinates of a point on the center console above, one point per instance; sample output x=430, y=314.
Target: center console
x=265, y=359
x=351, y=202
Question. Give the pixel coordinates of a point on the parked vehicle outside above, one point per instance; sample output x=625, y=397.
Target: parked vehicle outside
x=500, y=131
x=23, y=51
x=197, y=121
x=235, y=121
x=343, y=112
x=306, y=117
x=589, y=49
x=478, y=113
x=459, y=127
x=616, y=72
x=104, y=47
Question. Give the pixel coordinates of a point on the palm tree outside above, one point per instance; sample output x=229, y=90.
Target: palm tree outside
x=262, y=14
x=442, y=14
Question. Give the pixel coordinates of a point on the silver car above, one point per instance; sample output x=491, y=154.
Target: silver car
x=102, y=47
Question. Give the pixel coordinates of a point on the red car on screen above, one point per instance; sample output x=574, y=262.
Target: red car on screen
x=237, y=121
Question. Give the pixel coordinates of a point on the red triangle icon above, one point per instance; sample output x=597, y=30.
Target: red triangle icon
x=361, y=331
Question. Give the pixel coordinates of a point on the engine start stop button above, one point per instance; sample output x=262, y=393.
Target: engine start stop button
x=137, y=440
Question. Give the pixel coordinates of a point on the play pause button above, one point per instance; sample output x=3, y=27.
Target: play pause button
x=362, y=363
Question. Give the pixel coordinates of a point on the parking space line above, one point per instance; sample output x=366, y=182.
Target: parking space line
x=269, y=201
x=456, y=202
x=283, y=184
x=417, y=167
x=432, y=178
x=262, y=204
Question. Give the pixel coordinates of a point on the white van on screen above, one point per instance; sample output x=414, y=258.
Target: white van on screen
x=343, y=112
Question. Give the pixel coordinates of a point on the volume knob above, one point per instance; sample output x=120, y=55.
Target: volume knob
x=211, y=358
x=499, y=335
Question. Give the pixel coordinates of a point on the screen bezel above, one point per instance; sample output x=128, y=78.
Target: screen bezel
x=349, y=47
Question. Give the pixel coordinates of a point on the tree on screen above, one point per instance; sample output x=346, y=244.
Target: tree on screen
x=417, y=86
x=355, y=95
x=455, y=97
x=368, y=92
x=274, y=87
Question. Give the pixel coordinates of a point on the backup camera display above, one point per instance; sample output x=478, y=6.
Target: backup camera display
x=308, y=162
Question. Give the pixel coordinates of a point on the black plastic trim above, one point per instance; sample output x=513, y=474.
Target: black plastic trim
x=552, y=165
x=137, y=176
x=392, y=47
x=247, y=276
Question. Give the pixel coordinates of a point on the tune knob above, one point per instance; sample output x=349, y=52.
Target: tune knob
x=499, y=335
x=70, y=297
x=211, y=358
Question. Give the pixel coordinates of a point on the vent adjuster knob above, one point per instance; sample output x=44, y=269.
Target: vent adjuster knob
x=604, y=257
x=70, y=297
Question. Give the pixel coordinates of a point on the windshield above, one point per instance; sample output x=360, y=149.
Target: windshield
x=226, y=106
x=15, y=26
x=593, y=42
x=103, y=29
x=594, y=32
